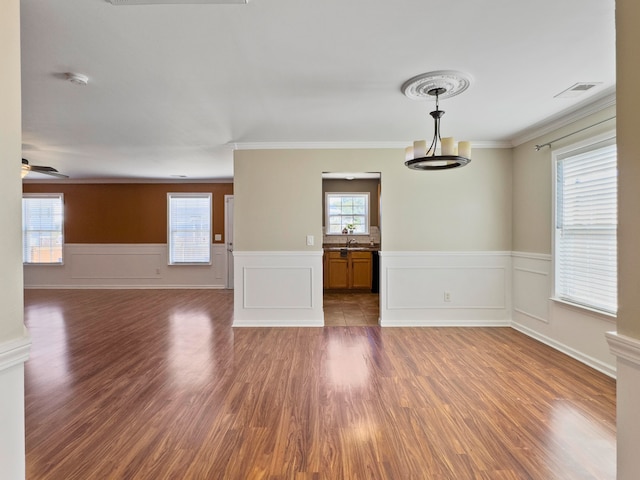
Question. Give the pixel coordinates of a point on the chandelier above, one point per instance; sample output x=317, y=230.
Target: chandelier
x=451, y=155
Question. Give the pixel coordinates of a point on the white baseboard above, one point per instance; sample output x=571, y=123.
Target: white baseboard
x=278, y=323
x=445, y=323
x=609, y=370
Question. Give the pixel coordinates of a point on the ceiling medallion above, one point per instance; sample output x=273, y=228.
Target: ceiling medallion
x=440, y=84
x=453, y=83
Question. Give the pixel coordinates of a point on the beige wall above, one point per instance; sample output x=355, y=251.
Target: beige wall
x=11, y=315
x=278, y=200
x=533, y=183
x=628, y=79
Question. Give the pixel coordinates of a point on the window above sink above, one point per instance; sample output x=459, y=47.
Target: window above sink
x=347, y=213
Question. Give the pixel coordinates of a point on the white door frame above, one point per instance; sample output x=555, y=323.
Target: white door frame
x=228, y=238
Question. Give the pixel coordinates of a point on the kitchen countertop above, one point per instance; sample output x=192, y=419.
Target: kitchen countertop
x=356, y=247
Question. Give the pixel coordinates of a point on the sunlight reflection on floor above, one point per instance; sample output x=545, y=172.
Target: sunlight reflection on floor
x=574, y=434
x=346, y=362
x=189, y=353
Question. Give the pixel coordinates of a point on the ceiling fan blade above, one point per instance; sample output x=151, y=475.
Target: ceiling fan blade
x=41, y=169
x=48, y=171
x=53, y=174
x=44, y=170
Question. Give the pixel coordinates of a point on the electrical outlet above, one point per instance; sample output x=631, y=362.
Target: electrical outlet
x=310, y=240
x=447, y=296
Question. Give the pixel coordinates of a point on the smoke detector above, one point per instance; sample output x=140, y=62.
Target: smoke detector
x=77, y=78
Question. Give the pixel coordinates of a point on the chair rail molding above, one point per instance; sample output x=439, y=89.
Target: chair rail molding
x=15, y=351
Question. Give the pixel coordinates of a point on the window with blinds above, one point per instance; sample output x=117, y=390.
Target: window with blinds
x=42, y=228
x=189, y=228
x=586, y=223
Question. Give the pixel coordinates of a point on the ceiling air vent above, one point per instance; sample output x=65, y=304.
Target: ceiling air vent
x=577, y=89
x=177, y=2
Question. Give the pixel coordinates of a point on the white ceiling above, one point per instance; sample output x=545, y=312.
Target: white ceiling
x=173, y=88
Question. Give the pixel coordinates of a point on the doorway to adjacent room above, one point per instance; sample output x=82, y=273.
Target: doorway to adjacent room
x=351, y=242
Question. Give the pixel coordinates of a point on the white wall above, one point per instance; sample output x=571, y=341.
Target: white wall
x=14, y=341
x=573, y=330
x=278, y=289
x=413, y=287
x=126, y=266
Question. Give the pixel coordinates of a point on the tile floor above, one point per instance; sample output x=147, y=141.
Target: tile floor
x=351, y=308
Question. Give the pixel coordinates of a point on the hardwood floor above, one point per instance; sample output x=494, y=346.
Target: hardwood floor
x=157, y=385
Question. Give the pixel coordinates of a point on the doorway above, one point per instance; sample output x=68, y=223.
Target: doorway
x=351, y=242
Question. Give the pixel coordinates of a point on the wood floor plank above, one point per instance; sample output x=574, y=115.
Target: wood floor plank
x=157, y=384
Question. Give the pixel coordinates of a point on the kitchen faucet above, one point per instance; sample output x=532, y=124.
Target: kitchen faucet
x=351, y=241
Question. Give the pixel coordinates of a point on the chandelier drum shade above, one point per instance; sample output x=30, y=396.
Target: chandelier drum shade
x=441, y=84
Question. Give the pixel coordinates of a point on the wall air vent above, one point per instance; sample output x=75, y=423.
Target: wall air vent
x=178, y=2
x=577, y=89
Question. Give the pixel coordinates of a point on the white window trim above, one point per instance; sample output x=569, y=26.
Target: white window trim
x=47, y=195
x=326, y=213
x=555, y=157
x=188, y=195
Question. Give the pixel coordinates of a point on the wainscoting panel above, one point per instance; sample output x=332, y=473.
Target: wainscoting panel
x=13, y=354
x=445, y=288
x=278, y=289
x=578, y=332
x=293, y=287
x=126, y=266
x=114, y=265
x=532, y=286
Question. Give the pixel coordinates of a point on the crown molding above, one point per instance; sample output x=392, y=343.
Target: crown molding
x=128, y=180
x=553, y=123
x=348, y=145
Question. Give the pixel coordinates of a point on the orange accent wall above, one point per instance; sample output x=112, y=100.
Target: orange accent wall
x=125, y=212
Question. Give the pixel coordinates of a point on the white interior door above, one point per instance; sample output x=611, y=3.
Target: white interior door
x=228, y=237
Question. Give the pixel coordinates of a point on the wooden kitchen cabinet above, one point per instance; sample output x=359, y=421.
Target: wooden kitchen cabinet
x=360, y=270
x=347, y=272
x=337, y=271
